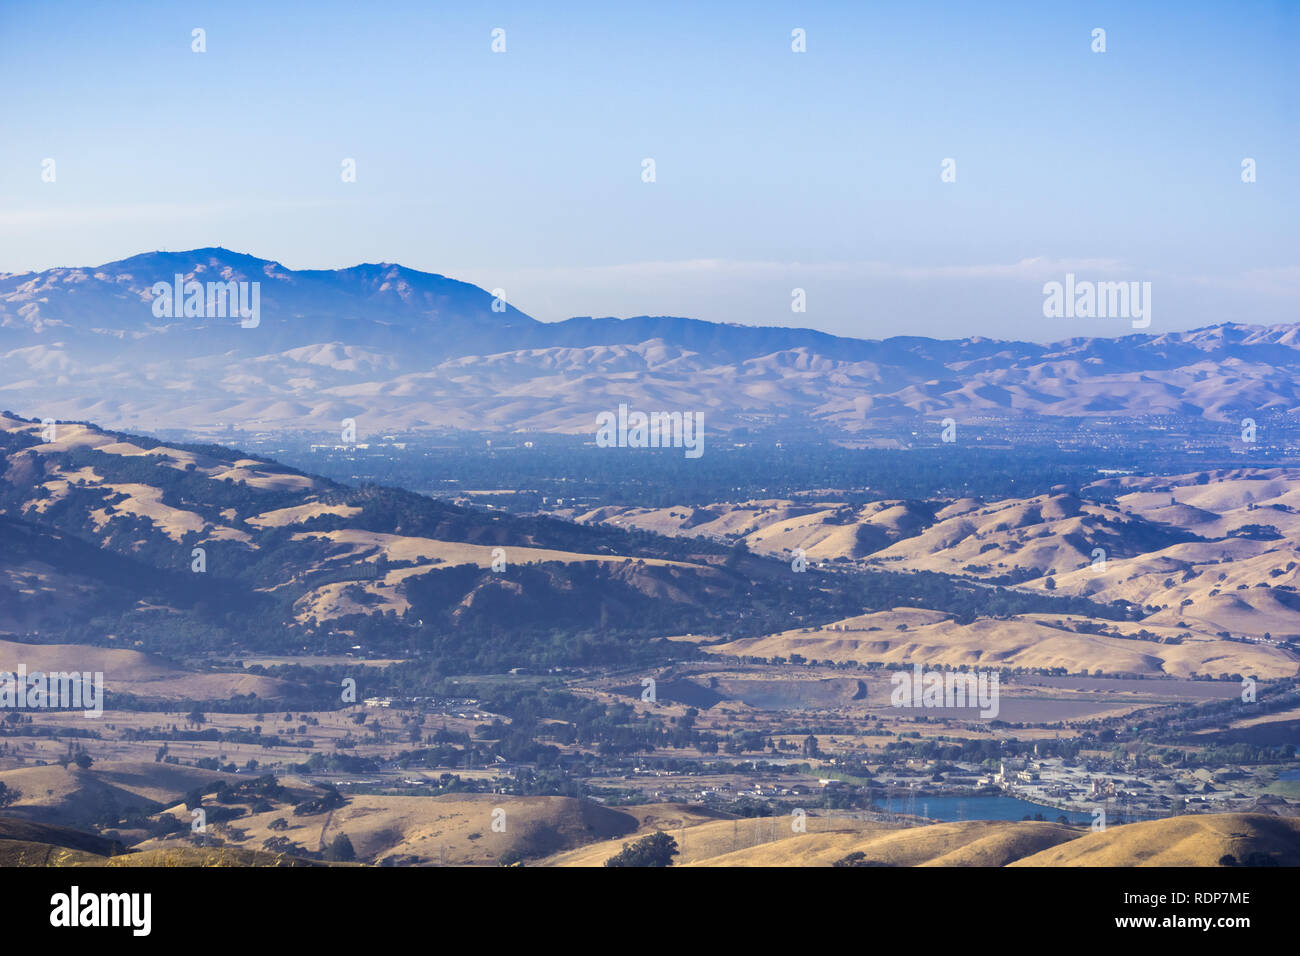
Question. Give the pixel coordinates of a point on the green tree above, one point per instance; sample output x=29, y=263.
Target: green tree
x=658, y=849
x=341, y=850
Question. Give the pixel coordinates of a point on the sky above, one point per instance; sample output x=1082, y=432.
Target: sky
x=774, y=170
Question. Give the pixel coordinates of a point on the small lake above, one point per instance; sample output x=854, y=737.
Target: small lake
x=951, y=808
x=1292, y=774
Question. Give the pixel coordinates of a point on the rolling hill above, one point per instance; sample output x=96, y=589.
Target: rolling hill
x=1206, y=565
x=126, y=542
x=123, y=541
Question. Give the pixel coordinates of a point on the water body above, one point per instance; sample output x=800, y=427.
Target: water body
x=1292, y=774
x=950, y=808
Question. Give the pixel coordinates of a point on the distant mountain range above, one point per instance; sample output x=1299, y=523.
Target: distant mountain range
x=401, y=350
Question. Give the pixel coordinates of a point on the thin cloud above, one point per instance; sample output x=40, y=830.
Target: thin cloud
x=83, y=215
x=1034, y=268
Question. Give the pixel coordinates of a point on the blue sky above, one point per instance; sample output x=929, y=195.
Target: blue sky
x=774, y=170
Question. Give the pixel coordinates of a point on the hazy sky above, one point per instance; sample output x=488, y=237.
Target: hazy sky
x=773, y=169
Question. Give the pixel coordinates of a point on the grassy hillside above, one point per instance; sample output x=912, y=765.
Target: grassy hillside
x=1182, y=841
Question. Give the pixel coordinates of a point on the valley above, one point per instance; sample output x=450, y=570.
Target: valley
x=301, y=658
